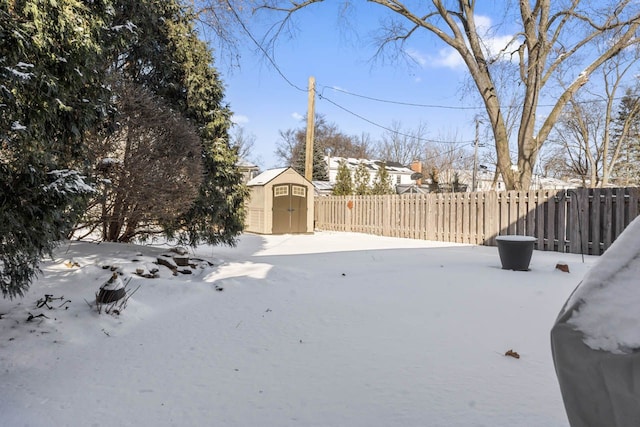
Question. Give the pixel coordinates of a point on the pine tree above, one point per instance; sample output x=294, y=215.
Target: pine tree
x=320, y=167
x=361, y=180
x=382, y=181
x=51, y=94
x=344, y=183
x=320, y=170
x=627, y=127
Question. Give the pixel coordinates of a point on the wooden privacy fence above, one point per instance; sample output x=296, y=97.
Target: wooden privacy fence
x=577, y=220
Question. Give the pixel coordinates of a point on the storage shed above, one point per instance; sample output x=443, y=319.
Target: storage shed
x=281, y=202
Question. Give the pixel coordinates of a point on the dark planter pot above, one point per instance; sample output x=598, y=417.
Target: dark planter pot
x=515, y=251
x=110, y=295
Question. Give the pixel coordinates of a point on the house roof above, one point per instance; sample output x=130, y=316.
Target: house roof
x=323, y=185
x=412, y=189
x=243, y=163
x=372, y=165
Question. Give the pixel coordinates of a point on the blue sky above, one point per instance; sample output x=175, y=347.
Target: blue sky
x=340, y=57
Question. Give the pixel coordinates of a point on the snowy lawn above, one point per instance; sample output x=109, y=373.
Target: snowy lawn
x=330, y=329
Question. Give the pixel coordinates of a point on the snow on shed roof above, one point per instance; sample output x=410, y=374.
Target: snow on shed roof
x=266, y=176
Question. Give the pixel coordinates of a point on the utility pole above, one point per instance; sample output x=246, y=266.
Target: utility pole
x=308, y=163
x=475, y=159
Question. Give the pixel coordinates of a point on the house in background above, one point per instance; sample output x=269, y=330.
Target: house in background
x=486, y=180
x=248, y=170
x=399, y=174
x=412, y=180
x=323, y=188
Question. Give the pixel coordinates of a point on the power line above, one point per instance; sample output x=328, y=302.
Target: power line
x=322, y=97
x=447, y=107
x=371, y=98
x=410, y=104
x=284, y=77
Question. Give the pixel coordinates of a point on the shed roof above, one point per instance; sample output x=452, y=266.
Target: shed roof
x=266, y=176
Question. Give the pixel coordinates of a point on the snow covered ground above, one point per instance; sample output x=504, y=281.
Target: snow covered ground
x=330, y=329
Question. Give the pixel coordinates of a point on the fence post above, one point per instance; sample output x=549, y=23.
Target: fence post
x=579, y=234
x=386, y=215
x=492, y=211
x=594, y=221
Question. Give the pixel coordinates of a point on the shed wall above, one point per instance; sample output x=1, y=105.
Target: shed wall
x=255, y=222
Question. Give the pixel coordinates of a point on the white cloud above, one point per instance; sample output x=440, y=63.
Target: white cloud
x=483, y=23
x=450, y=58
x=297, y=116
x=418, y=57
x=494, y=45
x=500, y=46
x=239, y=119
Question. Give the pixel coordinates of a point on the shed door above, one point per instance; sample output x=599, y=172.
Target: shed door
x=289, y=209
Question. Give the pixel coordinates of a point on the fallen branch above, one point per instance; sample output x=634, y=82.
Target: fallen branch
x=48, y=298
x=31, y=316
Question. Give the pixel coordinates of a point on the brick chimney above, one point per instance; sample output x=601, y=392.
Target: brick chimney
x=416, y=166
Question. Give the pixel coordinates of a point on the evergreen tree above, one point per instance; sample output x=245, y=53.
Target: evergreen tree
x=320, y=170
x=382, y=181
x=217, y=216
x=164, y=55
x=361, y=180
x=344, y=183
x=626, y=127
x=51, y=94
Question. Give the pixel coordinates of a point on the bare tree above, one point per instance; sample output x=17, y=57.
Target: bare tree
x=553, y=164
x=579, y=132
x=243, y=142
x=150, y=168
x=327, y=137
x=554, y=37
x=592, y=136
x=289, y=146
x=225, y=25
x=402, y=146
x=444, y=160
